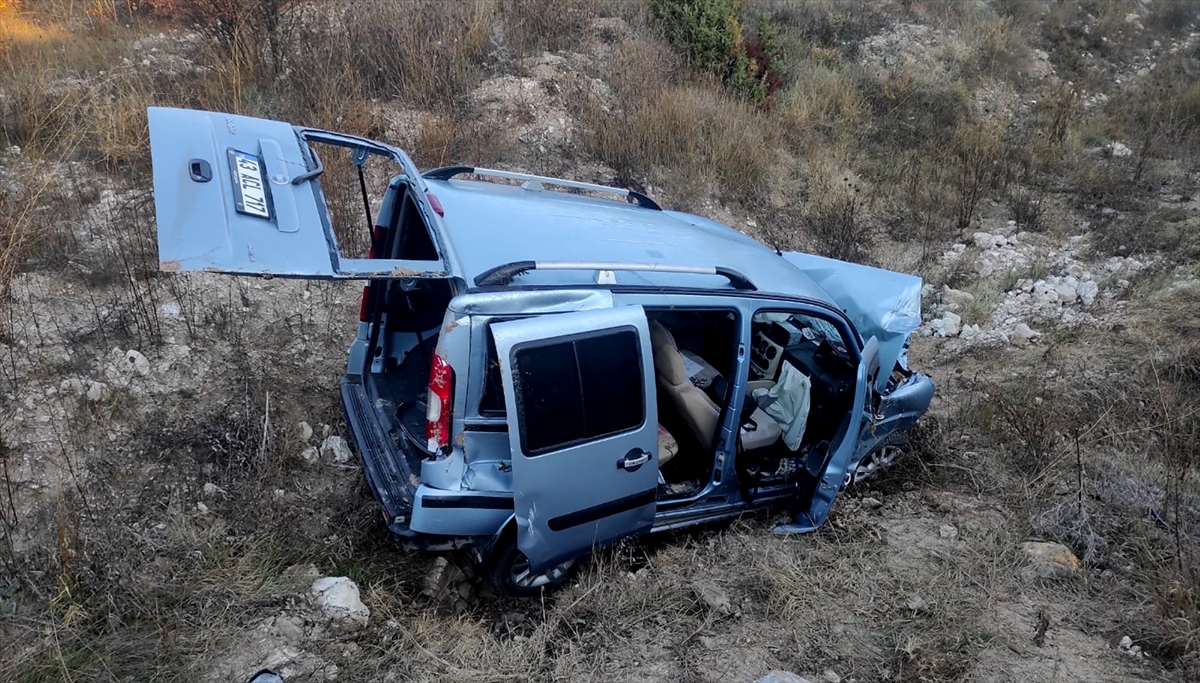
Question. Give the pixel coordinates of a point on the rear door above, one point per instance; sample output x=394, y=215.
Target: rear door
x=583, y=429
x=241, y=195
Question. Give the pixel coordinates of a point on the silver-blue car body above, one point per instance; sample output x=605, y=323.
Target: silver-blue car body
x=538, y=373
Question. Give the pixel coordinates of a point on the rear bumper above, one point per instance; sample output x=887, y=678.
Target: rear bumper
x=389, y=476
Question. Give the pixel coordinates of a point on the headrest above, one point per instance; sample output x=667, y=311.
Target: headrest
x=660, y=336
x=668, y=362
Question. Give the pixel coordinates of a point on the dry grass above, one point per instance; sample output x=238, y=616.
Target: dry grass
x=680, y=133
x=847, y=161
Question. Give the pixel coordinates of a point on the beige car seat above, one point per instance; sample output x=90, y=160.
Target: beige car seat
x=700, y=413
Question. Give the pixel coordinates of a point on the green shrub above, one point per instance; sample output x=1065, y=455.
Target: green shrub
x=708, y=33
x=710, y=36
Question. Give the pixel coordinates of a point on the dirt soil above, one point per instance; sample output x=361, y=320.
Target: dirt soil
x=174, y=480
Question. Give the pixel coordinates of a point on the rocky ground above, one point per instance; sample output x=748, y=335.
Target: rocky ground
x=180, y=502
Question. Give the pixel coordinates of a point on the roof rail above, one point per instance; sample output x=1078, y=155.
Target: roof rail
x=503, y=274
x=534, y=182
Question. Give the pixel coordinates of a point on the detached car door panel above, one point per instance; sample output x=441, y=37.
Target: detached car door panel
x=240, y=195
x=583, y=429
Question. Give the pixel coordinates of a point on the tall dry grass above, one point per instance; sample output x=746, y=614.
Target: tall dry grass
x=847, y=158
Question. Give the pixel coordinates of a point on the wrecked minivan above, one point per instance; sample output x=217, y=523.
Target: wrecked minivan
x=544, y=367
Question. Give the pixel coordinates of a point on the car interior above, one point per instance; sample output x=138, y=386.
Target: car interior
x=691, y=347
x=801, y=375
x=799, y=393
x=412, y=312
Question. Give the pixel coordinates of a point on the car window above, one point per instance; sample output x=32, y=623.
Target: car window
x=491, y=402
x=578, y=389
x=796, y=335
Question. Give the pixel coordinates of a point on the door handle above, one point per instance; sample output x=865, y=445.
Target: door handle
x=633, y=460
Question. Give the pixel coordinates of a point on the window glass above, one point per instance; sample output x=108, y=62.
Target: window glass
x=579, y=389
x=492, y=400
x=796, y=336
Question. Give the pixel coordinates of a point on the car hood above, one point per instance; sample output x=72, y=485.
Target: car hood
x=881, y=303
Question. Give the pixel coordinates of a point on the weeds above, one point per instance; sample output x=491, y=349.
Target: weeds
x=776, y=116
x=834, y=217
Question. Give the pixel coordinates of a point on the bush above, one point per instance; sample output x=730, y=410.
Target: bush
x=707, y=33
x=831, y=23
x=249, y=28
x=834, y=218
x=710, y=36
x=1026, y=208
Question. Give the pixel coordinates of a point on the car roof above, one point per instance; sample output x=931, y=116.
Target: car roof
x=488, y=224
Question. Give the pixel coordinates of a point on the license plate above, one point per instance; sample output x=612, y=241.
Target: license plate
x=249, y=189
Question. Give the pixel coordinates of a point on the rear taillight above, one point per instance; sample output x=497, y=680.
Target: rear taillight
x=437, y=415
x=436, y=204
x=366, y=295
x=362, y=306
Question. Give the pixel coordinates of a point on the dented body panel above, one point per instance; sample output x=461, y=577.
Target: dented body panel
x=506, y=268
x=569, y=498
x=881, y=303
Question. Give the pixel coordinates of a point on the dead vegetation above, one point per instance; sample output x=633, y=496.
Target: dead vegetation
x=878, y=133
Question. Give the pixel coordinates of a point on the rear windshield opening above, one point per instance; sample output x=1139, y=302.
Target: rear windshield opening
x=339, y=183
x=357, y=199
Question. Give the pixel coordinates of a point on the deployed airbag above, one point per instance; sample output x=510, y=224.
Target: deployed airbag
x=787, y=403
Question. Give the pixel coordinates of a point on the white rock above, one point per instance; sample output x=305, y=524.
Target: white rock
x=1117, y=149
x=97, y=391
x=1087, y=292
x=306, y=431
x=1022, y=334
x=201, y=508
x=984, y=240
x=1126, y=642
x=713, y=596
x=969, y=331
x=831, y=676
x=1066, y=293
x=210, y=489
x=310, y=455
x=955, y=299
x=948, y=531
x=1049, y=560
x=170, y=310
x=949, y=325
x=338, y=448
x=138, y=362
x=338, y=597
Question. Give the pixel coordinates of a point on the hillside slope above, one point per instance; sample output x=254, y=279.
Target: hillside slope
x=169, y=479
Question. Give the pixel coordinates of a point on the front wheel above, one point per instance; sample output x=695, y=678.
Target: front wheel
x=882, y=458
x=511, y=574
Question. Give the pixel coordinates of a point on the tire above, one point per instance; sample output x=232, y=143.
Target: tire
x=893, y=447
x=508, y=571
